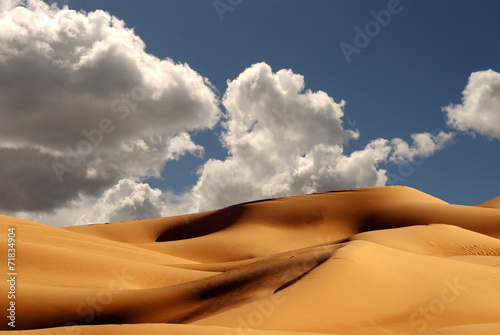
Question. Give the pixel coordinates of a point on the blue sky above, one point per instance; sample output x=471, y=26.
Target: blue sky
x=394, y=87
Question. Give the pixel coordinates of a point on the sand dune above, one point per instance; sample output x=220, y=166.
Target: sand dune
x=493, y=203
x=382, y=260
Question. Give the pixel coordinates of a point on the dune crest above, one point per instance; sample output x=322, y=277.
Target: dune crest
x=380, y=260
x=492, y=203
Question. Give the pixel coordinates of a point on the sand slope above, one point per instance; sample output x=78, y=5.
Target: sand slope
x=492, y=203
x=383, y=260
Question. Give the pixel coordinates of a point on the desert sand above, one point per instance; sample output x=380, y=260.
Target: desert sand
x=375, y=261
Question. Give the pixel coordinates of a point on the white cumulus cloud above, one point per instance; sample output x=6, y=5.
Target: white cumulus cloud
x=86, y=116
x=82, y=105
x=479, y=112
x=424, y=145
x=127, y=200
x=282, y=140
x=285, y=141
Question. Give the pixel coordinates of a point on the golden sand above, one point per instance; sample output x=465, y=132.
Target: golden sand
x=381, y=260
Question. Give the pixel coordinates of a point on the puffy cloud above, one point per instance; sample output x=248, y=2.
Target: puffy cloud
x=9, y=4
x=29, y=184
x=86, y=115
x=424, y=145
x=285, y=141
x=127, y=200
x=272, y=126
x=281, y=141
x=82, y=105
x=479, y=112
